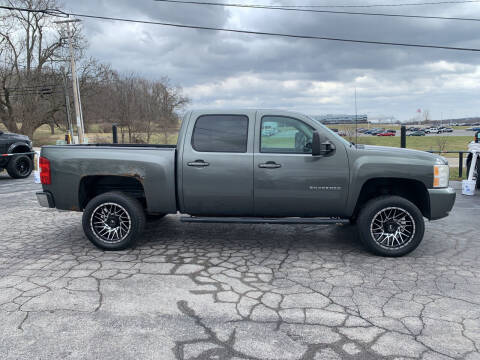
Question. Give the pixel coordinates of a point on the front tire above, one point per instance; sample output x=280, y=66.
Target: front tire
x=20, y=167
x=390, y=226
x=113, y=221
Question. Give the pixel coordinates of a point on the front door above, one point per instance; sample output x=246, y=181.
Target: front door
x=289, y=181
x=217, y=165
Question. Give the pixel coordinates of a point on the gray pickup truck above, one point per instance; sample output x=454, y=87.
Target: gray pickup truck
x=227, y=167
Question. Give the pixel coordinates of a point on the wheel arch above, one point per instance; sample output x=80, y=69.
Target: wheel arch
x=92, y=186
x=19, y=147
x=413, y=190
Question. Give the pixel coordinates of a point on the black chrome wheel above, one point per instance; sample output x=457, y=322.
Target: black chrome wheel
x=392, y=227
x=110, y=222
x=113, y=221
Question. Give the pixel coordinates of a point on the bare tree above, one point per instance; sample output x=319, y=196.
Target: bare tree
x=32, y=48
x=350, y=132
x=142, y=107
x=442, y=142
x=426, y=116
x=170, y=100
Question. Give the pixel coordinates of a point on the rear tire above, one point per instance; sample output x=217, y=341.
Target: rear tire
x=390, y=226
x=20, y=167
x=113, y=221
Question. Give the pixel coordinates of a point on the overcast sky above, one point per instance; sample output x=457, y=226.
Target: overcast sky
x=218, y=69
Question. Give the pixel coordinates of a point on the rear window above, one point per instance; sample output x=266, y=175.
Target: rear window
x=221, y=133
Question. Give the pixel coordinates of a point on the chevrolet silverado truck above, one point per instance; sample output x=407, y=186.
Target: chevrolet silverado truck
x=16, y=155
x=226, y=168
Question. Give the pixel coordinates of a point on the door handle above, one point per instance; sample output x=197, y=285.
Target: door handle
x=198, y=163
x=269, y=165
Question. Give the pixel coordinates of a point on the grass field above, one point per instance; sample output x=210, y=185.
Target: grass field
x=387, y=126
x=425, y=143
x=454, y=174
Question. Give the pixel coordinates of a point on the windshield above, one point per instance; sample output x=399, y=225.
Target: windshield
x=335, y=135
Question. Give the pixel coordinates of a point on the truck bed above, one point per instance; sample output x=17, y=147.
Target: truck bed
x=76, y=169
x=159, y=146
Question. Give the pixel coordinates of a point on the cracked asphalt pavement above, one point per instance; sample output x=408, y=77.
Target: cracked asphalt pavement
x=204, y=291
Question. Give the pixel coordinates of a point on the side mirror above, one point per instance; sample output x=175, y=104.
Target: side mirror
x=316, y=147
x=321, y=146
x=328, y=147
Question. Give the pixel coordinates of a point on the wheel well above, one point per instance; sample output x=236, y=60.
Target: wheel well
x=91, y=186
x=20, y=149
x=412, y=190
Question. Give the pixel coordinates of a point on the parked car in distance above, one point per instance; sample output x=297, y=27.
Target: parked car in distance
x=392, y=131
x=417, y=133
x=386, y=133
x=447, y=130
x=224, y=170
x=17, y=166
x=475, y=129
x=269, y=129
x=432, y=131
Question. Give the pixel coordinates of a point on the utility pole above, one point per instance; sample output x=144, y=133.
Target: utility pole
x=67, y=104
x=76, y=93
x=356, y=121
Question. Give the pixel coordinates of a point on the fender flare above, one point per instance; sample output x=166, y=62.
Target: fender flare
x=17, y=144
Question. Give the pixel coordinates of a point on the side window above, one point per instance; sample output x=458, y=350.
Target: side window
x=285, y=135
x=221, y=133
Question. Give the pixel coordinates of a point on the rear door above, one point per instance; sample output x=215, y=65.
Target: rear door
x=217, y=165
x=289, y=181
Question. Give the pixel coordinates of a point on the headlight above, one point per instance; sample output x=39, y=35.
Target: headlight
x=441, y=175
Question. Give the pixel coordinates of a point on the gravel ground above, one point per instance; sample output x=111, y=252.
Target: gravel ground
x=198, y=291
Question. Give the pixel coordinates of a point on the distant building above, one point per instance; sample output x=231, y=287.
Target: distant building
x=341, y=119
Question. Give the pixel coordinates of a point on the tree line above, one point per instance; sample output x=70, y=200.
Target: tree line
x=34, y=66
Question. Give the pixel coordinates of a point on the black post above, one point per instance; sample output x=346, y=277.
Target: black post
x=403, y=137
x=115, y=133
x=460, y=164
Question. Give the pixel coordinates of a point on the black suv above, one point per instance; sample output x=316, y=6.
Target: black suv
x=17, y=166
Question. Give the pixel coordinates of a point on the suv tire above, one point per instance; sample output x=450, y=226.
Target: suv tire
x=390, y=226
x=113, y=221
x=20, y=167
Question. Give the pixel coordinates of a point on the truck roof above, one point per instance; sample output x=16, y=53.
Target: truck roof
x=249, y=111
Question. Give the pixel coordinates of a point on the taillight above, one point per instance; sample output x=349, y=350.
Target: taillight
x=45, y=176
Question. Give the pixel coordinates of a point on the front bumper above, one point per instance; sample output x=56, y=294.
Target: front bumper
x=45, y=199
x=441, y=202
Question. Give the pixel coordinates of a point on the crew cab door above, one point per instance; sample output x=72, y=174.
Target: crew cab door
x=289, y=181
x=217, y=165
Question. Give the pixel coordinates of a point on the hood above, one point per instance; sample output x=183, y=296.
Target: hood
x=14, y=137
x=406, y=153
